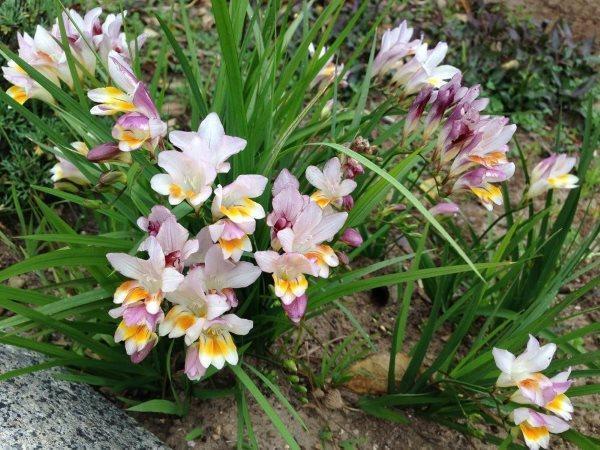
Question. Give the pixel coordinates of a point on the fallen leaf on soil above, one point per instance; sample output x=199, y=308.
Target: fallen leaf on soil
x=369, y=376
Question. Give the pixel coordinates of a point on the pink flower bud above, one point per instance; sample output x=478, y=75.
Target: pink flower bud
x=342, y=257
x=295, y=310
x=445, y=209
x=352, y=168
x=352, y=237
x=347, y=202
x=104, y=152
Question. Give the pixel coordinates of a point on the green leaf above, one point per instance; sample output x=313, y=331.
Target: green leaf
x=157, y=406
x=265, y=405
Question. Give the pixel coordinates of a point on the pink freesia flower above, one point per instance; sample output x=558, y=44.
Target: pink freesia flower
x=173, y=240
x=158, y=215
x=152, y=276
x=193, y=368
x=313, y=227
x=109, y=38
x=119, y=98
x=80, y=31
x=288, y=272
x=209, y=143
x=221, y=276
x=193, y=307
x=215, y=345
x=395, y=45
x=424, y=69
x=515, y=369
x=233, y=238
x=479, y=181
x=329, y=72
x=536, y=427
x=234, y=200
x=186, y=178
x=331, y=188
x=288, y=203
x=285, y=180
x=552, y=173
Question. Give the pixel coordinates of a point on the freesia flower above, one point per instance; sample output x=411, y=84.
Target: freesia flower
x=158, y=215
x=424, y=69
x=193, y=368
x=66, y=170
x=215, y=345
x=287, y=204
x=548, y=393
x=536, y=427
x=395, y=45
x=221, y=276
x=173, y=240
x=288, y=271
x=80, y=32
x=416, y=110
x=193, y=307
x=209, y=143
x=552, y=173
x=109, y=38
x=234, y=200
x=313, y=227
x=331, y=188
x=515, y=369
x=47, y=53
x=329, y=72
x=233, y=238
x=24, y=87
x=139, y=340
x=151, y=277
x=119, y=98
x=479, y=181
x=186, y=178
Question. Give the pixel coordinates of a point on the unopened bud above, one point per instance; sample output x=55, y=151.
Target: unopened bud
x=347, y=202
x=66, y=187
x=111, y=178
x=108, y=152
x=352, y=237
x=361, y=145
x=290, y=364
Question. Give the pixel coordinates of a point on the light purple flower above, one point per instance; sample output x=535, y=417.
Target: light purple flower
x=331, y=187
x=552, y=173
x=395, y=45
x=351, y=237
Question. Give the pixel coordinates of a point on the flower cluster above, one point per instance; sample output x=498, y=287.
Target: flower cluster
x=198, y=284
x=536, y=390
x=301, y=226
x=470, y=154
x=88, y=38
x=140, y=125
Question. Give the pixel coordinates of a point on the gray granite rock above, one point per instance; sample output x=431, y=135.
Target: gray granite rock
x=39, y=412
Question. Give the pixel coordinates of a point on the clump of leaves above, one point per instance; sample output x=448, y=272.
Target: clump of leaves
x=530, y=69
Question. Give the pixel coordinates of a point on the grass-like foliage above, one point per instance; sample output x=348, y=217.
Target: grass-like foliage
x=296, y=108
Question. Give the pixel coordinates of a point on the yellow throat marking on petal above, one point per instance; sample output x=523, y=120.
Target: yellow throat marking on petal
x=488, y=194
x=214, y=343
x=232, y=244
x=18, y=94
x=176, y=190
x=559, y=181
x=117, y=99
x=244, y=212
x=491, y=159
x=320, y=199
x=534, y=434
x=558, y=403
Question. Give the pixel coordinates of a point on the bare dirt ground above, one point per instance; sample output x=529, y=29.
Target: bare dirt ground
x=583, y=16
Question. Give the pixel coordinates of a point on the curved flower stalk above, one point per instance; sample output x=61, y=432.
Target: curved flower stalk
x=87, y=38
x=552, y=173
x=536, y=390
x=301, y=227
